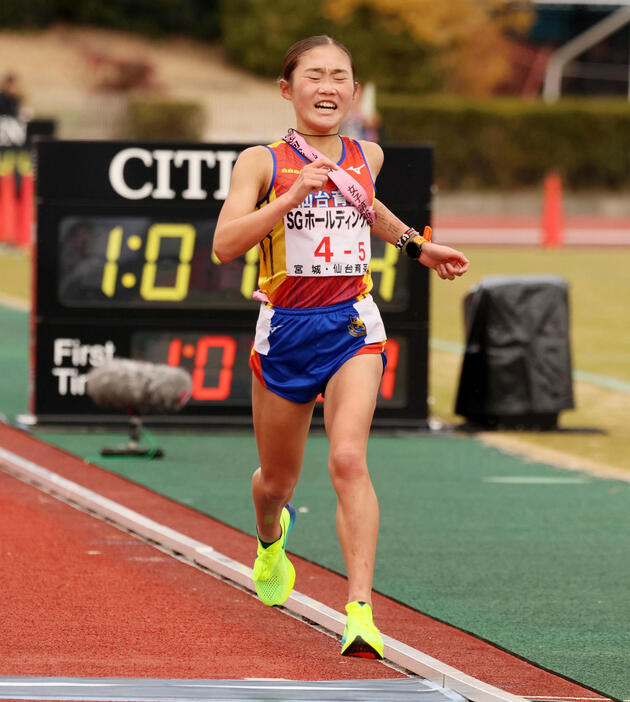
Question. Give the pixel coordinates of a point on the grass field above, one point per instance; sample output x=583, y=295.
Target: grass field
x=599, y=288
x=600, y=336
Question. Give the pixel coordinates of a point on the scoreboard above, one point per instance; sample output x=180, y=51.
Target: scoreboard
x=124, y=268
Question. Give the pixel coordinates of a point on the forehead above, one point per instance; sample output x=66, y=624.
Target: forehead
x=327, y=56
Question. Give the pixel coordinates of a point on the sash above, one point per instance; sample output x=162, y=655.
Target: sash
x=349, y=187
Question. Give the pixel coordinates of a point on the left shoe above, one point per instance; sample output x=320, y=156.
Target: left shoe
x=274, y=574
x=360, y=637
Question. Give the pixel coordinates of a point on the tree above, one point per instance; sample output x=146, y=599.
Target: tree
x=464, y=44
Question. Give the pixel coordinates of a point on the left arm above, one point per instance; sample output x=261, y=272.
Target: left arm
x=444, y=260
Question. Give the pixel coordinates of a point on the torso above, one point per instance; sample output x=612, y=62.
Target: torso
x=324, y=232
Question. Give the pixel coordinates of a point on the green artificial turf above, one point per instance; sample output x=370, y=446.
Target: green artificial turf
x=527, y=556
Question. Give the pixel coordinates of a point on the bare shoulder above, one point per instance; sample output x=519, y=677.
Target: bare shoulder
x=374, y=156
x=253, y=169
x=256, y=158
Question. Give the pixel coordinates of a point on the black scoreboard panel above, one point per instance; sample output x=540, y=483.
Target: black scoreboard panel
x=124, y=268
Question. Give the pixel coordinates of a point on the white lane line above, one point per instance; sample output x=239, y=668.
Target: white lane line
x=177, y=690
x=604, y=381
x=50, y=683
x=534, y=480
x=15, y=303
x=204, y=555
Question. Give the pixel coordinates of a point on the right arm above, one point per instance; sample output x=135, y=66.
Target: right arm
x=240, y=225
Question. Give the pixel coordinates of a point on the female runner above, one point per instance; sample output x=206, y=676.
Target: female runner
x=318, y=329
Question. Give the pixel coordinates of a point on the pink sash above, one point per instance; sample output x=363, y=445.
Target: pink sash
x=350, y=189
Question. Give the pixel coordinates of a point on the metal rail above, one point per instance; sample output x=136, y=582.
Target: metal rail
x=552, y=86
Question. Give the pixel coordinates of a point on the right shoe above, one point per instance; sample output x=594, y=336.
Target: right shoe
x=361, y=638
x=274, y=574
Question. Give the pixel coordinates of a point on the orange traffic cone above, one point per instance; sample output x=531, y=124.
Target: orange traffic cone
x=25, y=213
x=7, y=208
x=553, y=213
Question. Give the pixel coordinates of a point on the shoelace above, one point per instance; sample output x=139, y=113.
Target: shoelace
x=268, y=558
x=363, y=615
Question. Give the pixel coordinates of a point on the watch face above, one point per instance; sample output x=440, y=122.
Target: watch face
x=413, y=249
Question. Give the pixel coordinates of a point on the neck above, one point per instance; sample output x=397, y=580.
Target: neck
x=329, y=144
x=304, y=134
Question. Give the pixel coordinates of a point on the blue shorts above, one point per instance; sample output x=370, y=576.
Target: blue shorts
x=298, y=350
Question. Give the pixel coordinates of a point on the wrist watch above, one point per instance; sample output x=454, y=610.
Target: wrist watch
x=414, y=249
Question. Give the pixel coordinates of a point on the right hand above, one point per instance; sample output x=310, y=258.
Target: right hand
x=312, y=179
x=448, y=263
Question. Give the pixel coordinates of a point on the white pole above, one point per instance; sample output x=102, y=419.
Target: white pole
x=552, y=87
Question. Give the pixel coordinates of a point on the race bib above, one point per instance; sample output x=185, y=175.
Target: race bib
x=325, y=241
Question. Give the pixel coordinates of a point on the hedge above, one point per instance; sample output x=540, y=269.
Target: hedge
x=198, y=18
x=510, y=142
x=164, y=118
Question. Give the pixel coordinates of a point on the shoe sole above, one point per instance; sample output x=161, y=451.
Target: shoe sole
x=361, y=649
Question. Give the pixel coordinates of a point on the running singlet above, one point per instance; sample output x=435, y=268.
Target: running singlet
x=319, y=254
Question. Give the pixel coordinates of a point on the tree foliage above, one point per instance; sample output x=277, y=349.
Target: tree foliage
x=465, y=44
x=402, y=45
x=257, y=33
x=198, y=18
x=418, y=46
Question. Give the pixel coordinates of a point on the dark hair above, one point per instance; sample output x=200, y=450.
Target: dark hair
x=292, y=56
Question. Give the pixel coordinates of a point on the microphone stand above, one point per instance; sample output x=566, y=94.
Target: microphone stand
x=131, y=448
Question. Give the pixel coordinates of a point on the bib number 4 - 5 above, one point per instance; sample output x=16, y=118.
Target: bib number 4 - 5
x=326, y=242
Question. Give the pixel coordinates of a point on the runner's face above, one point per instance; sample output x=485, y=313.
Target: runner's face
x=321, y=89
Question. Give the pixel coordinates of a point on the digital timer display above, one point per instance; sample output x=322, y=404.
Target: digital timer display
x=138, y=262
x=141, y=262
x=219, y=364
x=124, y=269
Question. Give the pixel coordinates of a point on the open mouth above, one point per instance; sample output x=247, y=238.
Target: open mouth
x=326, y=106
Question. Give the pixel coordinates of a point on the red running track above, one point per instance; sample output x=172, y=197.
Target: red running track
x=84, y=599
x=467, y=230
x=81, y=598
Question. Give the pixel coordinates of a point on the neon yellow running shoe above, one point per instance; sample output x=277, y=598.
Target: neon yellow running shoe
x=360, y=637
x=274, y=574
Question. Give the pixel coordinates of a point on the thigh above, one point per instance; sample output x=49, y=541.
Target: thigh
x=350, y=400
x=281, y=428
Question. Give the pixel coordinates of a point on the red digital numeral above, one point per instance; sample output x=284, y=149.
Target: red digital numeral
x=323, y=249
x=388, y=383
x=222, y=390
x=174, y=352
x=362, y=251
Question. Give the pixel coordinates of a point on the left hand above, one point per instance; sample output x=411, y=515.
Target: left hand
x=445, y=261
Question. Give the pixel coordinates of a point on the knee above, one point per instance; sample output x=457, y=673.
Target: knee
x=347, y=465
x=276, y=488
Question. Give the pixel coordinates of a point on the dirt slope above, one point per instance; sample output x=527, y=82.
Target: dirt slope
x=61, y=67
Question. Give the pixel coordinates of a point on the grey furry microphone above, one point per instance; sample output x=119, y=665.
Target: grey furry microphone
x=138, y=388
